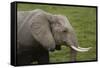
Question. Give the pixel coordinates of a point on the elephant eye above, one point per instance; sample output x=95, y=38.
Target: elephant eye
x=65, y=31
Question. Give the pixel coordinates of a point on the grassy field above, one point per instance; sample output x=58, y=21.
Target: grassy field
x=83, y=20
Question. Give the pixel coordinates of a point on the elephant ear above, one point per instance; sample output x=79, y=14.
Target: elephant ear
x=40, y=29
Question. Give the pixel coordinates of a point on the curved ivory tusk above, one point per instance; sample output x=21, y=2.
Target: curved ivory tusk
x=80, y=49
x=85, y=48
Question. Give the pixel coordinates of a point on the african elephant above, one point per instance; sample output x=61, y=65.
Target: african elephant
x=39, y=32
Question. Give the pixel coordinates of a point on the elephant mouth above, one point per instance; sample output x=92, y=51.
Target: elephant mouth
x=58, y=47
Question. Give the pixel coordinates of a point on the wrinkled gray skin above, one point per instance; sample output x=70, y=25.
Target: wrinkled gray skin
x=40, y=32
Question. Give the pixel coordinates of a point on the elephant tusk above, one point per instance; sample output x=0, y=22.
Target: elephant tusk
x=85, y=48
x=80, y=49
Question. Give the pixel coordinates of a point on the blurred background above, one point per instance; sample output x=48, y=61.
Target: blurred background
x=83, y=20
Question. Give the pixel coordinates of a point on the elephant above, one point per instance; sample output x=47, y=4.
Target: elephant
x=39, y=32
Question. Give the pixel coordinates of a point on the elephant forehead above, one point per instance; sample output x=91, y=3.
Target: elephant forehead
x=65, y=23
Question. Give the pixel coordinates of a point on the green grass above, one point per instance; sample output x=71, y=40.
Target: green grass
x=83, y=19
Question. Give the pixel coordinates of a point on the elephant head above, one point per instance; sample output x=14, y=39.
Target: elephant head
x=54, y=30
x=64, y=33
